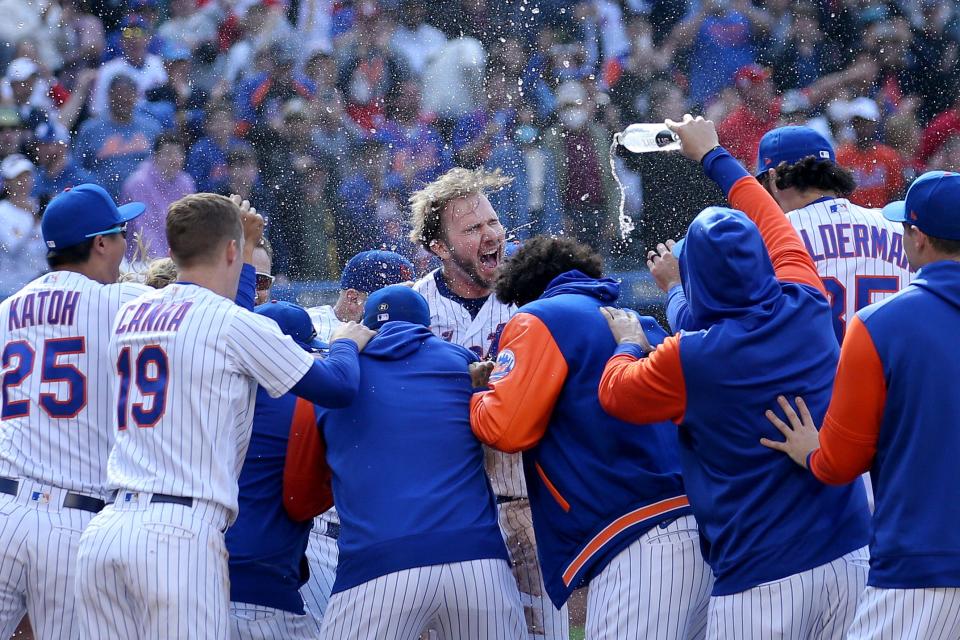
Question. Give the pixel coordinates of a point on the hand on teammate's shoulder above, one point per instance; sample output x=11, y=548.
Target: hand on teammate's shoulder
x=355, y=331
x=480, y=373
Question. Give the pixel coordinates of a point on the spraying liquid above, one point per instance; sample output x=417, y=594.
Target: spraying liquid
x=638, y=138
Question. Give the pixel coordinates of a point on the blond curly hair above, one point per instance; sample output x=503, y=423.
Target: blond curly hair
x=160, y=273
x=427, y=204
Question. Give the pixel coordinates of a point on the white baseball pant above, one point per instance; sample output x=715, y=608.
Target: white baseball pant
x=476, y=599
x=256, y=622
x=819, y=603
x=658, y=588
x=544, y=621
x=322, y=555
x=38, y=550
x=154, y=571
x=907, y=614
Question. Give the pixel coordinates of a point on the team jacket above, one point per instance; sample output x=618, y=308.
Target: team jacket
x=266, y=547
x=761, y=328
x=895, y=412
x=595, y=483
x=408, y=477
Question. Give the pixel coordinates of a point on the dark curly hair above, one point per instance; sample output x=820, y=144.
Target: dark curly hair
x=525, y=276
x=813, y=173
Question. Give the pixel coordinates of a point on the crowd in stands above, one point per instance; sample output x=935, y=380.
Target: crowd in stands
x=327, y=114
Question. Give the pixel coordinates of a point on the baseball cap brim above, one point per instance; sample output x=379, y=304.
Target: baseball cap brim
x=131, y=210
x=895, y=211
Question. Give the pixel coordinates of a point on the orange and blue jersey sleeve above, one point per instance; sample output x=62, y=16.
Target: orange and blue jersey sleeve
x=643, y=390
x=791, y=261
x=307, y=478
x=851, y=428
x=513, y=414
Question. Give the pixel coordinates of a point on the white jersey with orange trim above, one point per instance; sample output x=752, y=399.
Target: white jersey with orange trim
x=859, y=254
x=189, y=362
x=57, y=403
x=450, y=321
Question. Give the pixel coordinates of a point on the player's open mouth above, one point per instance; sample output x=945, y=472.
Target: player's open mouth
x=490, y=260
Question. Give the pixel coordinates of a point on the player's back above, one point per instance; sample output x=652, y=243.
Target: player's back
x=57, y=383
x=858, y=253
x=188, y=361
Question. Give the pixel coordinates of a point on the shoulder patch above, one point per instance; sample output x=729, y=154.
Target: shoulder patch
x=505, y=364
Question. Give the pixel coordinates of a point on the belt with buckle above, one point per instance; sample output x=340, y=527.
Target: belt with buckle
x=72, y=500
x=160, y=498
x=506, y=499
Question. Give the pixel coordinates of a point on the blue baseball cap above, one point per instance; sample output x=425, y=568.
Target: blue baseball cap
x=395, y=303
x=83, y=212
x=369, y=271
x=790, y=145
x=294, y=321
x=931, y=205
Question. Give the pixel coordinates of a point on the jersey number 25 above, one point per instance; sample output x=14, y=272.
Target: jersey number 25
x=18, y=360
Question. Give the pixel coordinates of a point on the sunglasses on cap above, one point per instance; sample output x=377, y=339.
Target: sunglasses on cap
x=264, y=281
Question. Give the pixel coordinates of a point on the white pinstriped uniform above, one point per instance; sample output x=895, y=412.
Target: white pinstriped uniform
x=55, y=436
x=256, y=622
x=817, y=604
x=658, y=588
x=859, y=256
x=188, y=362
x=450, y=321
x=322, y=551
x=475, y=599
x=907, y=614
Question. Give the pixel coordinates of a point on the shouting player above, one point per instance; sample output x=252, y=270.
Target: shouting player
x=56, y=406
x=453, y=220
x=188, y=361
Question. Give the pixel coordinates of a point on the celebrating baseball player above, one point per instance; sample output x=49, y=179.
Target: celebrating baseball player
x=364, y=273
x=419, y=544
x=788, y=555
x=453, y=220
x=57, y=406
x=894, y=412
x=608, y=501
x=187, y=362
x=267, y=547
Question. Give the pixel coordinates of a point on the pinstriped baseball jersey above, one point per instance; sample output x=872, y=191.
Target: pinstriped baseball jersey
x=450, y=321
x=325, y=321
x=57, y=379
x=188, y=364
x=859, y=254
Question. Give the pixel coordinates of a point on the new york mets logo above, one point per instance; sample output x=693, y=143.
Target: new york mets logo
x=505, y=364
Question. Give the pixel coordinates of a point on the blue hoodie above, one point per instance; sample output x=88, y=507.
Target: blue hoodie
x=596, y=484
x=408, y=476
x=763, y=328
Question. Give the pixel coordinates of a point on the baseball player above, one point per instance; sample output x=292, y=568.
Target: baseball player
x=419, y=544
x=453, y=220
x=858, y=253
x=187, y=361
x=363, y=274
x=788, y=553
x=894, y=412
x=56, y=404
x=263, y=263
x=608, y=502
x=56, y=378
x=266, y=547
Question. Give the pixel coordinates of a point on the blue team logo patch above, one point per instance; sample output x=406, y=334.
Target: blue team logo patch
x=505, y=363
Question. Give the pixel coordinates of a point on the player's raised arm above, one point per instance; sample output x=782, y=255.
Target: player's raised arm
x=791, y=261
x=253, y=224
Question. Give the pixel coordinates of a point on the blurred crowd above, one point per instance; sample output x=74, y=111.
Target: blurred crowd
x=327, y=114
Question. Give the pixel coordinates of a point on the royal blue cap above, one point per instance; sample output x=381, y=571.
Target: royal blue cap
x=790, y=145
x=396, y=303
x=83, y=212
x=294, y=321
x=931, y=205
x=369, y=271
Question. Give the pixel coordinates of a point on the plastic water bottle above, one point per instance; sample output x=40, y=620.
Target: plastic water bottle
x=643, y=138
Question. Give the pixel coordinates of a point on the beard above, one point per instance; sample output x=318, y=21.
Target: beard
x=469, y=267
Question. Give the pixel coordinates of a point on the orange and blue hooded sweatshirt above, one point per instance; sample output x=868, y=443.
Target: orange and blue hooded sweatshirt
x=758, y=326
x=895, y=412
x=595, y=483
